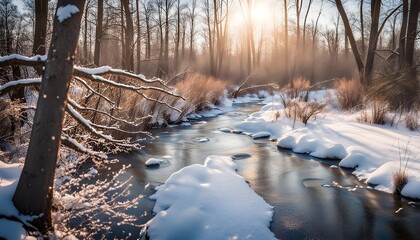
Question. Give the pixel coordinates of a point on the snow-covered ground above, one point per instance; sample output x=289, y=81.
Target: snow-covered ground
x=9, y=175
x=376, y=152
x=209, y=201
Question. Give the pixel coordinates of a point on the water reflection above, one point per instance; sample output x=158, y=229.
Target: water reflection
x=292, y=183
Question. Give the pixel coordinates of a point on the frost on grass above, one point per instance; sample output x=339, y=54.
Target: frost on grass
x=65, y=12
x=209, y=201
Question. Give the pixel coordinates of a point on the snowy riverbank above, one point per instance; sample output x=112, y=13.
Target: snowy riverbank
x=375, y=152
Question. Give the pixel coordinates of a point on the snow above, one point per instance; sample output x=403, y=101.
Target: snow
x=209, y=201
x=20, y=82
x=225, y=129
x=260, y=135
x=373, y=151
x=65, y=12
x=92, y=172
x=36, y=58
x=9, y=176
x=152, y=162
x=12, y=230
x=186, y=124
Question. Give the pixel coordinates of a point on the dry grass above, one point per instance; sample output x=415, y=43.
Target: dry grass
x=412, y=119
x=399, y=180
x=299, y=88
x=200, y=91
x=349, y=93
x=303, y=111
x=376, y=114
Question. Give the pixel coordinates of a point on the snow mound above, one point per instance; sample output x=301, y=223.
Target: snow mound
x=225, y=129
x=260, y=135
x=209, y=201
x=316, y=147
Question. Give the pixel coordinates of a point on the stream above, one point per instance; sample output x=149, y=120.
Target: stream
x=311, y=199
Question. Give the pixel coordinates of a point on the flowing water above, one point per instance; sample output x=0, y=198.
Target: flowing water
x=311, y=199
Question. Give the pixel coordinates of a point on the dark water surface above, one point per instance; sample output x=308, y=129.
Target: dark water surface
x=311, y=200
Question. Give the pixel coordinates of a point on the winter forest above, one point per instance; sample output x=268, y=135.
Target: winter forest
x=209, y=119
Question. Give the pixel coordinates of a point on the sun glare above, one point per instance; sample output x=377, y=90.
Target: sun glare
x=261, y=15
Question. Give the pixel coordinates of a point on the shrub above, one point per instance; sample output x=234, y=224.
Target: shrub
x=411, y=119
x=399, y=180
x=349, y=93
x=376, y=113
x=303, y=111
x=200, y=91
x=299, y=88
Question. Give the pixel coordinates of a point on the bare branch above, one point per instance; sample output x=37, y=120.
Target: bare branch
x=93, y=90
x=73, y=144
x=4, y=89
x=87, y=124
x=76, y=105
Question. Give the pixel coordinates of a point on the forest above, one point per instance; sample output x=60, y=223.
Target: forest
x=86, y=83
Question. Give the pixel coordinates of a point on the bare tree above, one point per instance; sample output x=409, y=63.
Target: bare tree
x=34, y=192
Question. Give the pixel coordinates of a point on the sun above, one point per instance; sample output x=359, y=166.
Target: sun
x=261, y=13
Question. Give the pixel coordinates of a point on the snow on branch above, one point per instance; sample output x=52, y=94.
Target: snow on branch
x=7, y=87
x=76, y=105
x=93, y=90
x=17, y=59
x=88, y=125
x=108, y=70
x=136, y=89
x=73, y=144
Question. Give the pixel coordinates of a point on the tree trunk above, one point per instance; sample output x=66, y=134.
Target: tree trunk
x=286, y=41
x=34, y=193
x=85, y=42
x=98, y=33
x=178, y=34
x=129, y=37
x=41, y=17
x=403, y=34
x=192, y=28
x=304, y=27
x=412, y=91
x=210, y=36
x=373, y=36
x=362, y=29
x=138, y=36
x=352, y=40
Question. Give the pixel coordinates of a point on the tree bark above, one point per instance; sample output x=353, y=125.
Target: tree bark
x=373, y=36
x=34, y=193
x=352, y=40
x=192, y=27
x=362, y=29
x=129, y=37
x=41, y=17
x=178, y=34
x=286, y=41
x=403, y=35
x=98, y=33
x=138, y=36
